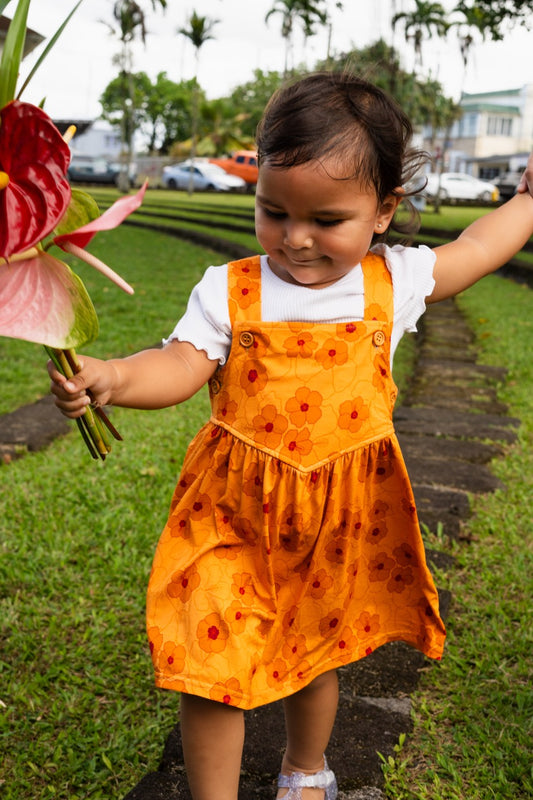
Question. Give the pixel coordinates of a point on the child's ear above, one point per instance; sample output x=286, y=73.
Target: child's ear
x=387, y=209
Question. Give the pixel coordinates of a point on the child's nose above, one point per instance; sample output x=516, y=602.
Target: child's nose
x=297, y=236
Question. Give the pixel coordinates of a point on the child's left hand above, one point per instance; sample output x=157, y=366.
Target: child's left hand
x=526, y=181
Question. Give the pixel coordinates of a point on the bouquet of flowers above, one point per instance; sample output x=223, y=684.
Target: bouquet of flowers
x=41, y=299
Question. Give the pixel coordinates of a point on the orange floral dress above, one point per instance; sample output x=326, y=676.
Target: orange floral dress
x=292, y=546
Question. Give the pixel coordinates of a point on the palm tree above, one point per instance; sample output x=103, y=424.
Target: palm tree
x=130, y=19
x=199, y=32
x=427, y=18
x=308, y=12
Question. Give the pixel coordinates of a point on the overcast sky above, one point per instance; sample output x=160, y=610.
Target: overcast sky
x=80, y=66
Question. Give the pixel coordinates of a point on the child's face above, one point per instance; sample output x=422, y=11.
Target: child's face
x=314, y=228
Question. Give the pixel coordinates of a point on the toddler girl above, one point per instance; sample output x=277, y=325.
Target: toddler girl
x=292, y=545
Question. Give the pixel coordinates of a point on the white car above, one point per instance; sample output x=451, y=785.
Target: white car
x=454, y=186
x=205, y=177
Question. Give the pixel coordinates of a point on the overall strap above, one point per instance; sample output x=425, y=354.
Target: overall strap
x=244, y=289
x=379, y=303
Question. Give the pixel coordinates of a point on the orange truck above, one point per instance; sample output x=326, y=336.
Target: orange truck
x=242, y=163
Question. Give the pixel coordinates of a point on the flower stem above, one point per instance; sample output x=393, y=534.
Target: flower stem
x=92, y=425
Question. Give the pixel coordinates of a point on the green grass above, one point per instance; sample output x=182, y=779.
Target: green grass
x=79, y=715
x=473, y=712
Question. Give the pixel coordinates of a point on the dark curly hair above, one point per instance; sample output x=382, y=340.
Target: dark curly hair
x=337, y=113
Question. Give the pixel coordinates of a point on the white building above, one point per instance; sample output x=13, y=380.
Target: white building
x=494, y=135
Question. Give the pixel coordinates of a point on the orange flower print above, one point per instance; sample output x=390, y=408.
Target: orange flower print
x=376, y=532
x=336, y=551
x=260, y=344
x=379, y=510
x=253, y=377
x=319, y=584
x=301, y=344
x=172, y=656
x=245, y=292
x=183, y=583
x=405, y=555
x=269, y=426
x=290, y=526
x=381, y=373
x=185, y=480
x=305, y=407
x=367, y=624
x=252, y=485
x=243, y=529
x=212, y=633
x=242, y=588
x=296, y=444
x=298, y=680
x=201, y=507
x=399, y=579
x=289, y=618
x=226, y=408
x=351, y=331
x=375, y=312
x=228, y=551
x=379, y=568
x=334, y=352
x=229, y=692
x=276, y=673
x=178, y=524
x=329, y=625
x=236, y=617
x=155, y=639
x=345, y=646
x=352, y=414
x=294, y=648
x=408, y=507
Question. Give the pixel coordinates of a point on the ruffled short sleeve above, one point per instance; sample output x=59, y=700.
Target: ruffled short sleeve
x=412, y=279
x=206, y=323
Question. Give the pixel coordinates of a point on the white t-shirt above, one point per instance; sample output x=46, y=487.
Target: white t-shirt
x=206, y=322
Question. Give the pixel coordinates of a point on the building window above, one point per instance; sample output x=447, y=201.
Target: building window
x=499, y=126
x=467, y=125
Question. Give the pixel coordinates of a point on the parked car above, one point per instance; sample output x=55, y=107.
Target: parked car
x=205, y=177
x=242, y=163
x=507, y=184
x=457, y=186
x=91, y=169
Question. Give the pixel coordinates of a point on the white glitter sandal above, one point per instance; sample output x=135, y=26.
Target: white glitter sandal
x=325, y=779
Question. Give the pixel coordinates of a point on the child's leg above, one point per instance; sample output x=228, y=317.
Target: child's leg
x=212, y=735
x=309, y=716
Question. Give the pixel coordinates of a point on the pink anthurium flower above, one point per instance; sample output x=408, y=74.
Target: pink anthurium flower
x=43, y=301
x=34, y=191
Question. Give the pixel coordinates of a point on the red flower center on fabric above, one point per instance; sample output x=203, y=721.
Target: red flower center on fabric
x=213, y=632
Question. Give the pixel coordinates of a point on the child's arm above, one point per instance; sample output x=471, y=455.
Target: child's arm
x=149, y=379
x=485, y=245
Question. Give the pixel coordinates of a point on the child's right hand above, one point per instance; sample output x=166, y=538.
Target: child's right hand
x=93, y=384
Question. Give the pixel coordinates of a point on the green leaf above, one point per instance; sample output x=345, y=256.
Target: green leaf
x=81, y=210
x=48, y=47
x=12, y=53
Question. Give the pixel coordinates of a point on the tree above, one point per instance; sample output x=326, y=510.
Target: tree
x=198, y=32
x=492, y=17
x=309, y=12
x=251, y=98
x=426, y=18
x=130, y=18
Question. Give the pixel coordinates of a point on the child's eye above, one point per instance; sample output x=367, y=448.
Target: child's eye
x=273, y=214
x=329, y=223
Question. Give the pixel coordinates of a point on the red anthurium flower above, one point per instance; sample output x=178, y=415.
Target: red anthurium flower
x=34, y=191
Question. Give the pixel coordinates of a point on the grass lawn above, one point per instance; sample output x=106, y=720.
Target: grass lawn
x=79, y=716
